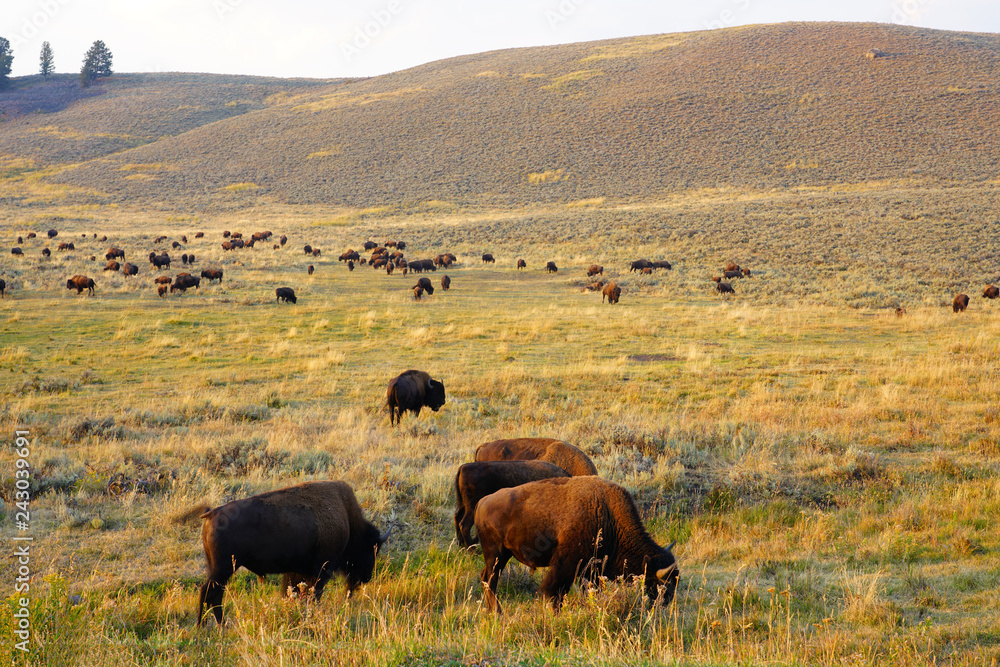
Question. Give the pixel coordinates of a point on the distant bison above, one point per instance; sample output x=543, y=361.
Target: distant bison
x=521, y=264
x=960, y=303
x=566, y=456
x=724, y=288
x=285, y=293
x=310, y=269
x=595, y=269
x=445, y=282
x=129, y=269
x=161, y=290
x=114, y=253
x=991, y=292
x=66, y=246
x=425, y=283
x=307, y=249
x=80, y=283
x=46, y=252
x=316, y=529
x=349, y=255
x=596, y=286
x=732, y=266
x=729, y=275
x=350, y=265
x=575, y=526
x=647, y=271
x=475, y=481
x=31, y=235
x=639, y=265
x=283, y=240
x=3, y=288
x=488, y=258
x=317, y=252
x=52, y=233
x=16, y=252
x=662, y=264
x=199, y=235
x=612, y=292
x=370, y=245
x=418, y=292
x=550, y=267
x=411, y=391
x=112, y=266
x=175, y=245
x=163, y=280
x=185, y=281
x=160, y=261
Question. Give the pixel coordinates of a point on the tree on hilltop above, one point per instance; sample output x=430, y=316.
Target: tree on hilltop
x=46, y=63
x=5, y=62
x=96, y=64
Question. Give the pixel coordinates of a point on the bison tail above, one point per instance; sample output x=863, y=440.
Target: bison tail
x=200, y=510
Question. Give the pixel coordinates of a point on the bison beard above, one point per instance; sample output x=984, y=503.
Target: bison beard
x=411, y=391
x=575, y=526
x=315, y=529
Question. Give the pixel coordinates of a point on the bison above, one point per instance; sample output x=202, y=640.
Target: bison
x=114, y=253
x=369, y=245
x=80, y=283
x=550, y=267
x=286, y=293
x=662, y=264
x=307, y=249
x=477, y=480
x=3, y=288
x=746, y=273
x=66, y=246
x=31, y=235
x=724, y=288
x=445, y=282
x=732, y=266
x=348, y=255
x=575, y=526
x=350, y=265
x=160, y=261
x=314, y=529
x=184, y=259
x=46, y=252
x=283, y=240
x=161, y=290
x=163, y=280
x=112, y=266
x=130, y=269
x=960, y=303
x=612, y=291
x=647, y=271
x=639, y=265
x=16, y=252
x=729, y=275
x=563, y=454
x=316, y=252
x=425, y=283
x=521, y=264
x=594, y=287
x=310, y=269
x=594, y=270
x=175, y=245
x=488, y=258
x=418, y=292
x=991, y=292
x=52, y=233
x=184, y=281
x=411, y=391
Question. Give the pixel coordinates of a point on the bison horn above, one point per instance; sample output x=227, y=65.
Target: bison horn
x=385, y=536
x=662, y=574
x=672, y=544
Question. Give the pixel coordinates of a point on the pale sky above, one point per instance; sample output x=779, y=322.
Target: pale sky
x=334, y=38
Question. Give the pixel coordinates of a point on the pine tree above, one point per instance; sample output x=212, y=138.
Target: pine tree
x=5, y=62
x=97, y=63
x=45, y=60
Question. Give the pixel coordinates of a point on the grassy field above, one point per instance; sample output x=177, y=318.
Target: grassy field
x=828, y=470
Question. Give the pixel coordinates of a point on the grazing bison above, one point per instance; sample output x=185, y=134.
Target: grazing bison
x=724, y=288
x=350, y=265
x=317, y=252
x=307, y=249
x=732, y=266
x=52, y=233
x=46, y=252
x=593, y=287
x=389, y=268
x=160, y=261
x=286, y=293
x=16, y=252
x=3, y=288
x=31, y=235
x=400, y=245
x=314, y=529
x=237, y=235
x=184, y=259
x=729, y=275
x=900, y=311
x=80, y=283
x=162, y=280
x=647, y=271
x=112, y=266
x=425, y=283
x=184, y=238
x=746, y=273
x=639, y=265
x=612, y=292
x=445, y=282
x=161, y=290
x=66, y=246
x=130, y=270
x=575, y=526
x=662, y=264
x=594, y=270
x=348, y=255
x=184, y=281
x=411, y=391
x=521, y=264
x=310, y=269
x=991, y=292
x=960, y=303
x=369, y=245
x=475, y=481
x=175, y=245
x=283, y=240
x=418, y=292
x=116, y=253
x=488, y=258
x=550, y=267
x=199, y=235
x=566, y=456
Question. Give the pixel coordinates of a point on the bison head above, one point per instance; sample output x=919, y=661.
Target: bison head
x=435, y=395
x=661, y=576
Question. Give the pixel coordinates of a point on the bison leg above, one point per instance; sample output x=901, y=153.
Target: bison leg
x=557, y=582
x=490, y=576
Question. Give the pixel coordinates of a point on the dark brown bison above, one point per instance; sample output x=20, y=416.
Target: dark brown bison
x=310, y=269
x=900, y=311
x=285, y=293
x=389, y=268
x=129, y=270
x=112, y=266
x=576, y=527
x=307, y=249
x=488, y=258
x=163, y=280
x=521, y=264
x=226, y=234
x=411, y=391
x=184, y=259
x=991, y=292
x=160, y=261
x=175, y=245
x=746, y=273
x=639, y=265
x=114, y=253
x=80, y=283
x=427, y=264
x=418, y=292
x=283, y=240
x=425, y=284
x=960, y=303
x=3, y=288
x=550, y=267
x=52, y=233
x=563, y=454
x=348, y=255
x=184, y=281
x=724, y=288
x=184, y=238
x=237, y=235
x=227, y=245
x=16, y=252
x=315, y=529
x=161, y=290
x=662, y=264
x=445, y=282
x=199, y=235
x=31, y=235
x=729, y=275
x=400, y=245
x=369, y=245
x=594, y=270
x=350, y=265
x=46, y=252
x=612, y=292
x=477, y=480
x=66, y=246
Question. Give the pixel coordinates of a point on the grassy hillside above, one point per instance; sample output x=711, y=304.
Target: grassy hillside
x=753, y=107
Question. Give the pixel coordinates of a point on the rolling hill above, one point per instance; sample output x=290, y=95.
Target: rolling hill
x=774, y=106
